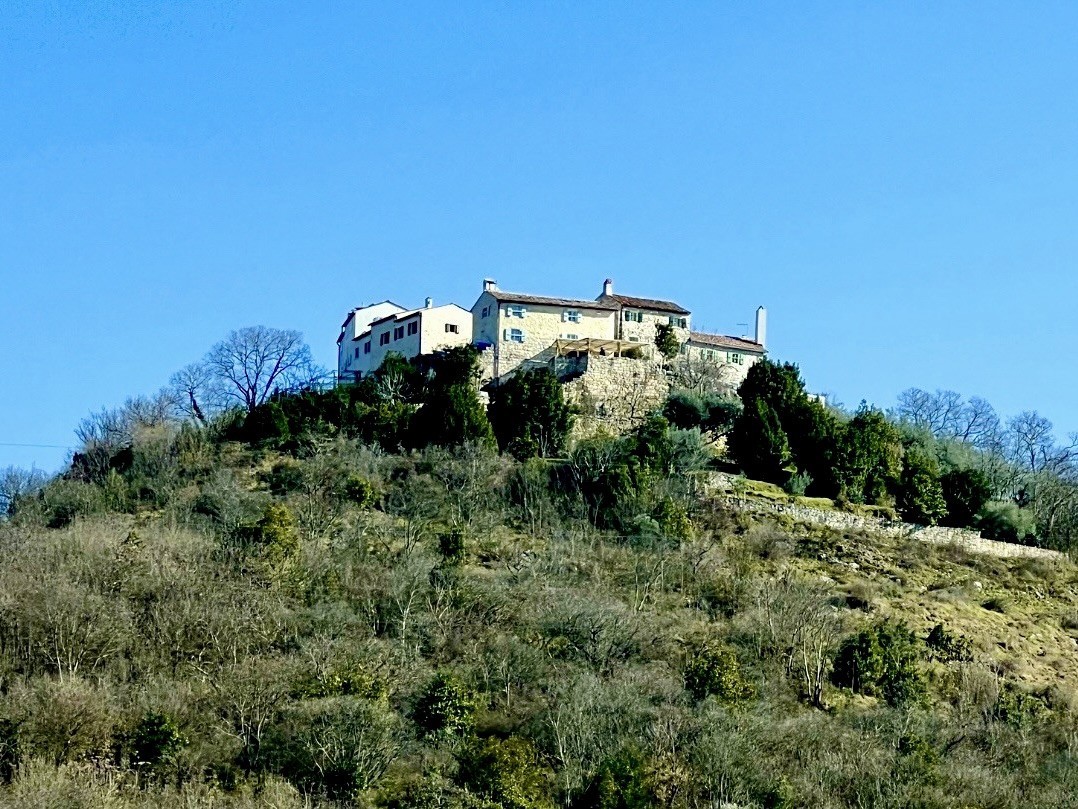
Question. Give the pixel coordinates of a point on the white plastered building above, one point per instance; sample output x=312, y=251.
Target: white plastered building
x=369, y=334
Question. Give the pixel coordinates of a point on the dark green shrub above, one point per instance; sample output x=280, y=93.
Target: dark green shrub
x=445, y=708
x=506, y=772
x=153, y=741
x=285, y=476
x=948, y=647
x=881, y=661
x=359, y=491
x=1016, y=707
x=451, y=546
x=9, y=749
x=713, y=671
x=529, y=415
x=966, y=492
x=620, y=783
x=919, y=495
x=1007, y=522
x=333, y=747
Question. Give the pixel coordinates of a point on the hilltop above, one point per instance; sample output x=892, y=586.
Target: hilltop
x=386, y=594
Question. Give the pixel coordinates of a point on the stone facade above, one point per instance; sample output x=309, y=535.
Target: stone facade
x=521, y=330
x=613, y=394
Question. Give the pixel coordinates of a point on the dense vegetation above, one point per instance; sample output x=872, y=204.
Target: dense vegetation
x=377, y=595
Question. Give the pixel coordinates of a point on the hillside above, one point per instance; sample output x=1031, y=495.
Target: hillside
x=227, y=624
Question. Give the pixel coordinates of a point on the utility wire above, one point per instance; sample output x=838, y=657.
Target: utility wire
x=36, y=446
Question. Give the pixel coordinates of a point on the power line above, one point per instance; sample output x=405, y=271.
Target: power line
x=36, y=446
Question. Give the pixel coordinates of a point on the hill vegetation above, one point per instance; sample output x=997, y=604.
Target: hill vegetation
x=378, y=595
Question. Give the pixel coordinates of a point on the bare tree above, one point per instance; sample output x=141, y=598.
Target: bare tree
x=938, y=412
x=251, y=363
x=192, y=390
x=15, y=483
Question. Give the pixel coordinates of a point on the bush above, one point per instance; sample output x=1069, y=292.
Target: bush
x=506, y=772
x=966, y=492
x=920, y=497
x=153, y=741
x=445, y=708
x=334, y=747
x=881, y=661
x=620, y=783
x=529, y=415
x=1007, y=522
x=948, y=647
x=713, y=671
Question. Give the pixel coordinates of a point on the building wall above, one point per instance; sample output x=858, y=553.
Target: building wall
x=644, y=331
x=407, y=346
x=432, y=329
x=615, y=394
x=733, y=366
x=541, y=327
x=354, y=326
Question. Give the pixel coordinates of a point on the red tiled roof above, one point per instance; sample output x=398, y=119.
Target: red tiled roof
x=653, y=304
x=542, y=300
x=725, y=341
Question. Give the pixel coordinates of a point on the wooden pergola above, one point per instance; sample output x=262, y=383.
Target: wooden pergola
x=593, y=345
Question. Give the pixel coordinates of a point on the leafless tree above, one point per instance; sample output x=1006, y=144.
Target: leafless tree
x=1032, y=444
x=699, y=375
x=192, y=390
x=253, y=362
x=15, y=483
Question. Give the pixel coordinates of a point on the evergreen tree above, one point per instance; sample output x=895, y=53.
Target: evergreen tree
x=529, y=415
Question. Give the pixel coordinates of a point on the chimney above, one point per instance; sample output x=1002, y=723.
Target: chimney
x=761, y=326
x=608, y=287
x=489, y=285
x=429, y=303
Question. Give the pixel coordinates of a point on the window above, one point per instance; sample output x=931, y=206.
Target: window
x=367, y=347
x=383, y=338
x=486, y=312
x=452, y=328
x=413, y=327
x=634, y=317
x=707, y=353
x=571, y=316
x=735, y=358
x=633, y=338
x=570, y=337
x=514, y=335
x=398, y=332
x=357, y=352
x=678, y=321
x=515, y=311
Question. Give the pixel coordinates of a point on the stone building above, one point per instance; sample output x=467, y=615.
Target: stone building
x=512, y=329
x=639, y=317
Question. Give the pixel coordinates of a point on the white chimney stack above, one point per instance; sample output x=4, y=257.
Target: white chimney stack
x=489, y=284
x=429, y=303
x=608, y=287
x=761, y=326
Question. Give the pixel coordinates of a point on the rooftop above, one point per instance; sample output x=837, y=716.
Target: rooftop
x=542, y=300
x=653, y=304
x=724, y=341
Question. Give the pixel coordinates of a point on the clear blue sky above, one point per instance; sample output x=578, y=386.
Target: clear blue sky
x=896, y=182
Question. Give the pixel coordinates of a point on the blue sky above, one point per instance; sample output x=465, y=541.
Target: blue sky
x=896, y=182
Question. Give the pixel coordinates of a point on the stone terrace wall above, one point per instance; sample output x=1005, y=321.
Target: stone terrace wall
x=614, y=394
x=722, y=487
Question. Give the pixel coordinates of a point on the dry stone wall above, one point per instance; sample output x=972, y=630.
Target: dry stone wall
x=613, y=394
